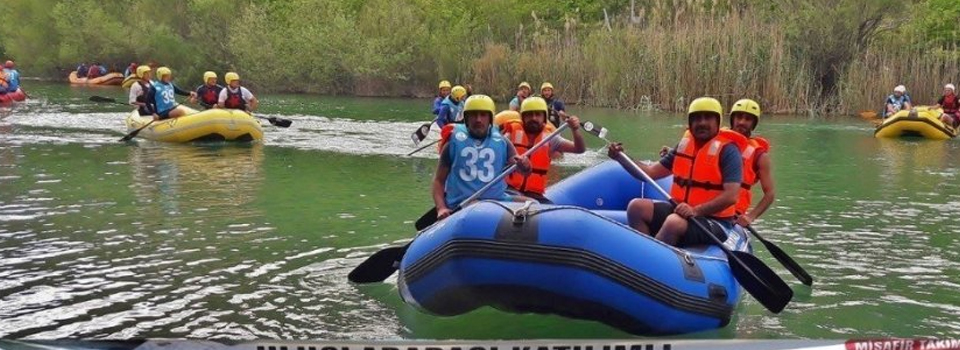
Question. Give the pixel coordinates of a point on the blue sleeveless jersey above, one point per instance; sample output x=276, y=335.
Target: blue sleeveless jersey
x=474, y=163
x=13, y=79
x=449, y=112
x=163, y=96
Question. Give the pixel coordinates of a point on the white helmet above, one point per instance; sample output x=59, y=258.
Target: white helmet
x=950, y=87
x=900, y=88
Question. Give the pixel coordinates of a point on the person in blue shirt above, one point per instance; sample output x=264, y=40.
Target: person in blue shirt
x=475, y=154
x=13, y=76
x=523, y=91
x=163, y=99
x=82, y=70
x=444, y=92
x=451, y=107
x=557, y=111
x=896, y=102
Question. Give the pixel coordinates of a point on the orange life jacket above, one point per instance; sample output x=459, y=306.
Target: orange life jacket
x=536, y=180
x=755, y=147
x=696, y=172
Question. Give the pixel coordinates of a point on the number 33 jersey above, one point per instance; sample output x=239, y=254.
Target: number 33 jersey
x=474, y=163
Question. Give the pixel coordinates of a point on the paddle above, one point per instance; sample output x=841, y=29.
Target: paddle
x=385, y=262
x=423, y=147
x=106, y=99
x=421, y=133
x=283, y=123
x=756, y=277
x=784, y=259
x=430, y=216
x=134, y=133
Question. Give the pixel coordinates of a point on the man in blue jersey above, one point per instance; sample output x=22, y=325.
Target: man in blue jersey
x=13, y=76
x=444, y=92
x=451, y=107
x=896, y=102
x=164, y=89
x=475, y=154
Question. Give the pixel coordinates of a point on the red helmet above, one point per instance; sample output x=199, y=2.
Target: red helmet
x=9, y=64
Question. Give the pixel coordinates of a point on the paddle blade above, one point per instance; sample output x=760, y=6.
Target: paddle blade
x=788, y=262
x=131, y=135
x=283, y=123
x=421, y=133
x=102, y=99
x=760, y=281
x=379, y=266
x=426, y=220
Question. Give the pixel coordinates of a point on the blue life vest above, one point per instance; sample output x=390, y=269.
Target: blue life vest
x=474, y=163
x=163, y=96
x=436, y=105
x=450, y=112
x=13, y=79
x=897, y=102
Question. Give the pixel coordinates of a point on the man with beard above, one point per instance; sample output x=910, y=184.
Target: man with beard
x=744, y=117
x=557, y=111
x=474, y=155
x=523, y=91
x=527, y=132
x=707, y=171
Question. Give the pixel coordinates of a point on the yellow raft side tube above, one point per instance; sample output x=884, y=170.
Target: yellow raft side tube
x=921, y=121
x=208, y=125
x=108, y=79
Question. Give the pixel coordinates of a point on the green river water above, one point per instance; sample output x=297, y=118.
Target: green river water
x=103, y=239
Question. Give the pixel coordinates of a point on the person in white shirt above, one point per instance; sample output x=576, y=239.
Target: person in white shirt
x=235, y=96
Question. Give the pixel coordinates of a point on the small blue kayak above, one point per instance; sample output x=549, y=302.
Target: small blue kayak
x=576, y=259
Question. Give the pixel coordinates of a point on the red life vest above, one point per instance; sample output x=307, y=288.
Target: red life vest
x=536, y=180
x=235, y=99
x=950, y=104
x=756, y=146
x=696, y=171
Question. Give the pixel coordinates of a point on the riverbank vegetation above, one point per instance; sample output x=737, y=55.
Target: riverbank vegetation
x=833, y=56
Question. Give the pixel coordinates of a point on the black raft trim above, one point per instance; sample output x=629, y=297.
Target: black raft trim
x=571, y=257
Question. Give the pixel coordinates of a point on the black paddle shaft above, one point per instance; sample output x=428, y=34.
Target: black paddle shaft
x=784, y=259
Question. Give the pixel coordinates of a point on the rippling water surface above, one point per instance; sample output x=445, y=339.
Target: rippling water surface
x=102, y=239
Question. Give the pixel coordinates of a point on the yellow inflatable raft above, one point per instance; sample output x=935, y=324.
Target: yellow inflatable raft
x=108, y=79
x=920, y=121
x=208, y=125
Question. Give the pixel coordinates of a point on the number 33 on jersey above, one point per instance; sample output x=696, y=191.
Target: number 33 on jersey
x=474, y=163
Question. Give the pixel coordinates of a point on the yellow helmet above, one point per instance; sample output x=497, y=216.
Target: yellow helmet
x=444, y=84
x=706, y=104
x=458, y=92
x=230, y=77
x=533, y=104
x=163, y=71
x=546, y=85
x=141, y=70
x=524, y=85
x=748, y=106
x=207, y=75
x=479, y=103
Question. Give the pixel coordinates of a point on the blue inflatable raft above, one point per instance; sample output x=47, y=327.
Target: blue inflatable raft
x=576, y=259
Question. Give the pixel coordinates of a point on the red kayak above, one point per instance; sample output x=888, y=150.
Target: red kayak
x=15, y=96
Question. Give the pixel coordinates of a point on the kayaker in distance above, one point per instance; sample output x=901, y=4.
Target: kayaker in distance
x=558, y=112
x=525, y=133
x=163, y=95
x=12, y=76
x=208, y=93
x=141, y=92
x=451, y=108
x=744, y=118
x=523, y=91
x=951, y=106
x=235, y=96
x=475, y=154
x=444, y=92
x=707, y=171
x=897, y=101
